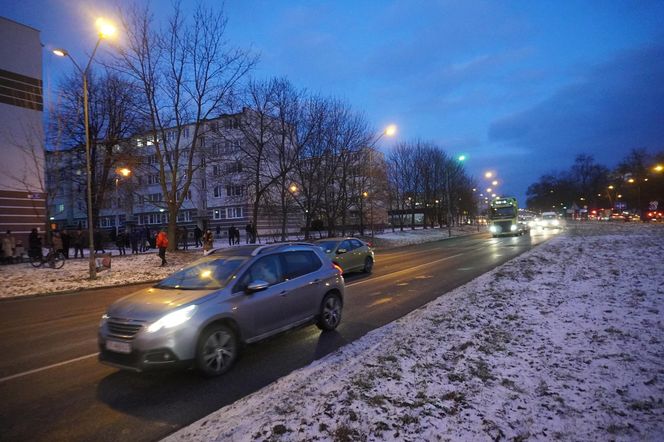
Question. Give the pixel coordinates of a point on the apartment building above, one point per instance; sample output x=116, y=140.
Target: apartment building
x=219, y=195
x=22, y=190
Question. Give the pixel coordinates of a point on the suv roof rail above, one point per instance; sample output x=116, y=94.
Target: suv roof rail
x=279, y=246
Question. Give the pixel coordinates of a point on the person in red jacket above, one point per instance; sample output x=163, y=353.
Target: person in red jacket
x=162, y=244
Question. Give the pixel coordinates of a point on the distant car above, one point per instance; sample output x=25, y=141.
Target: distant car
x=549, y=220
x=351, y=254
x=202, y=314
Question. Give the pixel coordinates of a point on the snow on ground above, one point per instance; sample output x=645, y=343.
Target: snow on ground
x=563, y=342
x=23, y=279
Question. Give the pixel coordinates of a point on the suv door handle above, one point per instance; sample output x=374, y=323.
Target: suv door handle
x=283, y=293
x=315, y=282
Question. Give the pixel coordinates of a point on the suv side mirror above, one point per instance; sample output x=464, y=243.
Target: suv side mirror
x=256, y=286
x=341, y=251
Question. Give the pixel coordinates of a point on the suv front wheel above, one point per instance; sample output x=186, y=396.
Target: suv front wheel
x=217, y=350
x=330, y=312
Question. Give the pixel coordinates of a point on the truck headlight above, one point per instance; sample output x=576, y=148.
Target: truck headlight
x=173, y=319
x=493, y=229
x=513, y=227
x=555, y=222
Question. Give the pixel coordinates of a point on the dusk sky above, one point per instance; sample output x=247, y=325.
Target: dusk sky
x=521, y=87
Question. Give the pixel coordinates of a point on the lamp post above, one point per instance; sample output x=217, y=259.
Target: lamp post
x=105, y=30
x=390, y=131
x=121, y=173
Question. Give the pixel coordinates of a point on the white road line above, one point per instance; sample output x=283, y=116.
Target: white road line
x=409, y=269
x=37, y=370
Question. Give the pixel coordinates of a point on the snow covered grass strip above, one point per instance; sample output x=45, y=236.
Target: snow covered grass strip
x=563, y=342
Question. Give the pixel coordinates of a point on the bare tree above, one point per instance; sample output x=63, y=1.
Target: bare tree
x=112, y=119
x=186, y=72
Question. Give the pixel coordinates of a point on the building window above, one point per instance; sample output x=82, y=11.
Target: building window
x=234, y=191
x=154, y=197
x=234, y=167
x=218, y=214
x=184, y=216
x=216, y=171
x=217, y=191
x=234, y=212
x=185, y=132
x=60, y=208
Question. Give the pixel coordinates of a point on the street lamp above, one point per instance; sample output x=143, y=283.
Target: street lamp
x=121, y=173
x=390, y=131
x=106, y=29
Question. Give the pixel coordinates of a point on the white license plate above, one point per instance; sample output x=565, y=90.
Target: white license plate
x=118, y=347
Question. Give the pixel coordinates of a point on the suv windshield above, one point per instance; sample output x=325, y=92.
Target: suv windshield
x=206, y=275
x=549, y=216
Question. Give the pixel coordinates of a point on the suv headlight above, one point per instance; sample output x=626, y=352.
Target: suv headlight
x=173, y=319
x=513, y=227
x=104, y=318
x=493, y=229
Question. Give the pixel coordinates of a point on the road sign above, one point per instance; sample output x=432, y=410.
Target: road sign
x=653, y=205
x=620, y=205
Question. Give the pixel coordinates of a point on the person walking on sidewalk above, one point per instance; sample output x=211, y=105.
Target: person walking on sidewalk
x=231, y=235
x=197, y=236
x=208, y=241
x=162, y=244
x=185, y=238
x=79, y=242
x=120, y=242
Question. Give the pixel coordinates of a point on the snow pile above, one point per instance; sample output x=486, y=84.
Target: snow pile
x=563, y=342
x=410, y=236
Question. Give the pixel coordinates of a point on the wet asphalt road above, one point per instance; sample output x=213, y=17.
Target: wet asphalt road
x=53, y=388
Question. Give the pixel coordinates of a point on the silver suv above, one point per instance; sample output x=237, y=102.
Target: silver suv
x=201, y=314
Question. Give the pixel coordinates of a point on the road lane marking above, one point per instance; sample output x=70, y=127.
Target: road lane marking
x=410, y=269
x=37, y=370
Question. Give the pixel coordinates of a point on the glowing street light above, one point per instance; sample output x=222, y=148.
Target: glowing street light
x=106, y=29
x=494, y=183
x=489, y=190
x=391, y=130
x=658, y=168
x=488, y=175
x=293, y=188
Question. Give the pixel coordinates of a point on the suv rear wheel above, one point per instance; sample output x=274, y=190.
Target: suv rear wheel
x=330, y=312
x=217, y=350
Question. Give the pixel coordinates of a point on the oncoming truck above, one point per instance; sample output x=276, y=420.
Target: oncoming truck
x=504, y=217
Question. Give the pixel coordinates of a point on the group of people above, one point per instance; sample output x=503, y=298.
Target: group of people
x=138, y=239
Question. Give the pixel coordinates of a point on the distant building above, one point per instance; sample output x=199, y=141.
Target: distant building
x=22, y=191
x=219, y=195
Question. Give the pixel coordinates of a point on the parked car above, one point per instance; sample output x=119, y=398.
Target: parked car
x=201, y=315
x=351, y=254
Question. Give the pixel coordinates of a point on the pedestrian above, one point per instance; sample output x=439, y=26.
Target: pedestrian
x=198, y=233
x=208, y=241
x=237, y=236
x=231, y=235
x=56, y=241
x=254, y=234
x=162, y=244
x=218, y=231
x=9, y=247
x=66, y=242
x=98, y=243
x=185, y=238
x=146, y=239
x=79, y=242
x=120, y=242
x=34, y=244
x=249, y=229
x=134, y=238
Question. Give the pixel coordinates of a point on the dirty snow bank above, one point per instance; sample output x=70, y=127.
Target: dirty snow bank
x=563, y=342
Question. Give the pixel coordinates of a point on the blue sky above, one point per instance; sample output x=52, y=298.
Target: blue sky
x=522, y=87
